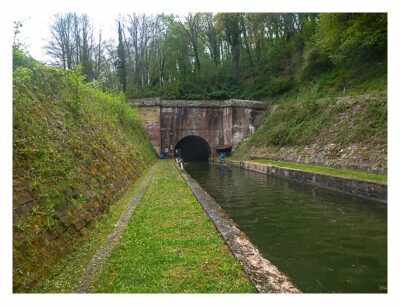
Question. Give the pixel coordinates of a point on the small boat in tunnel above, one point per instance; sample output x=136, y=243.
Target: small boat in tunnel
x=193, y=148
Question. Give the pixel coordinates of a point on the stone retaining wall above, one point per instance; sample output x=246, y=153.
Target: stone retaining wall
x=366, y=157
x=370, y=190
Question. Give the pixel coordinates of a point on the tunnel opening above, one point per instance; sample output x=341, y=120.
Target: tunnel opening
x=193, y=148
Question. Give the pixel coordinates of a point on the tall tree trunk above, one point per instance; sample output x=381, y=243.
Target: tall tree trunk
x=244, y=31
x=121, y=60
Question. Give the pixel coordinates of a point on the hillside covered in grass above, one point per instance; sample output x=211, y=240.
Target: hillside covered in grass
x=334, y=113
x=76, y=150
x=336, y=118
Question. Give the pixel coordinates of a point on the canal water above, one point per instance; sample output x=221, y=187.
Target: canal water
x=325, y=241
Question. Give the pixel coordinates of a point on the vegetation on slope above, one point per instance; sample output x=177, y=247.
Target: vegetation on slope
x=318, y=115
x=170, y=245
x=303, y=119
x=339, y=97
x=75, y=151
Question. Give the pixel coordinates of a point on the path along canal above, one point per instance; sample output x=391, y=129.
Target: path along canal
x=325, y=241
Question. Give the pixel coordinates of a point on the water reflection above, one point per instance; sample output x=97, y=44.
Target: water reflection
x=323, y=240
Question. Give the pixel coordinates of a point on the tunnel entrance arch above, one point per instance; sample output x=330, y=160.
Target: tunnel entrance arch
x=193, y=148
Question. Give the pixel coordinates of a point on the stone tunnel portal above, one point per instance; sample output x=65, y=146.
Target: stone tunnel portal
x=193, y=148
x=220, y=124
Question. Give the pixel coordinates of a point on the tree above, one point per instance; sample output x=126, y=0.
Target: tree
x=61, y=45
x=17, y=30
x=86, y=47
x=72, y=43
x=178, y=52
x=347, y=37
x=230, y=25
x=246, y=42
x=99, y=57
x=193, y=30
x=212, y=44
x=121, y=59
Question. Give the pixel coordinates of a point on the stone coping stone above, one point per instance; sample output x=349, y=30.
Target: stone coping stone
x=261, y=272
x=201, y=103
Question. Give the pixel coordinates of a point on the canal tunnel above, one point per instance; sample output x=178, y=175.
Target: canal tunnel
x=193, y=148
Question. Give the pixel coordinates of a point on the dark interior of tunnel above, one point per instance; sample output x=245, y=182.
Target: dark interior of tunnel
x=193, y=148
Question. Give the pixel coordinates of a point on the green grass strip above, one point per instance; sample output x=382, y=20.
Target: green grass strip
x=170, y=245
x=325, y=170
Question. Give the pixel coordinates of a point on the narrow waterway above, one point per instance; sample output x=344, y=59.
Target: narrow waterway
x=325, y=241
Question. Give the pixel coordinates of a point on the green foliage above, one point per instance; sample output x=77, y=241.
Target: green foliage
x=218, y=95
x=22, y=75
x=20, y=59
x=279, y=84
x=313, y=63
x=333, y=45
x=348, y=37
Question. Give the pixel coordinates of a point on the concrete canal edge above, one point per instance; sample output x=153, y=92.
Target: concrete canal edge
x=361, y=188
x=261, y=272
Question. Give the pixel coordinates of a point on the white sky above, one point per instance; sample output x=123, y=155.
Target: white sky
x=36, y=32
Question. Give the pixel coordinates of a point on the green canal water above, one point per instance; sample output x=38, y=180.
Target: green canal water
x=325, y=241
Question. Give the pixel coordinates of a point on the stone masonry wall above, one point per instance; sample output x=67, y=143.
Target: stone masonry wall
x=366, y=189
x=357, y=156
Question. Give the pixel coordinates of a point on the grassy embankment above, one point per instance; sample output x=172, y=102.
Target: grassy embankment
x=76, y=150
x=303, y=114
x=346, y=106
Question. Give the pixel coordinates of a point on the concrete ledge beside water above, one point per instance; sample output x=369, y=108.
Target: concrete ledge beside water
x=366, y=189
x=262, y=273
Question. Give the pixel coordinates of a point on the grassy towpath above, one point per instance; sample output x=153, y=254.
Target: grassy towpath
x=170, y=245
x=377, y=178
